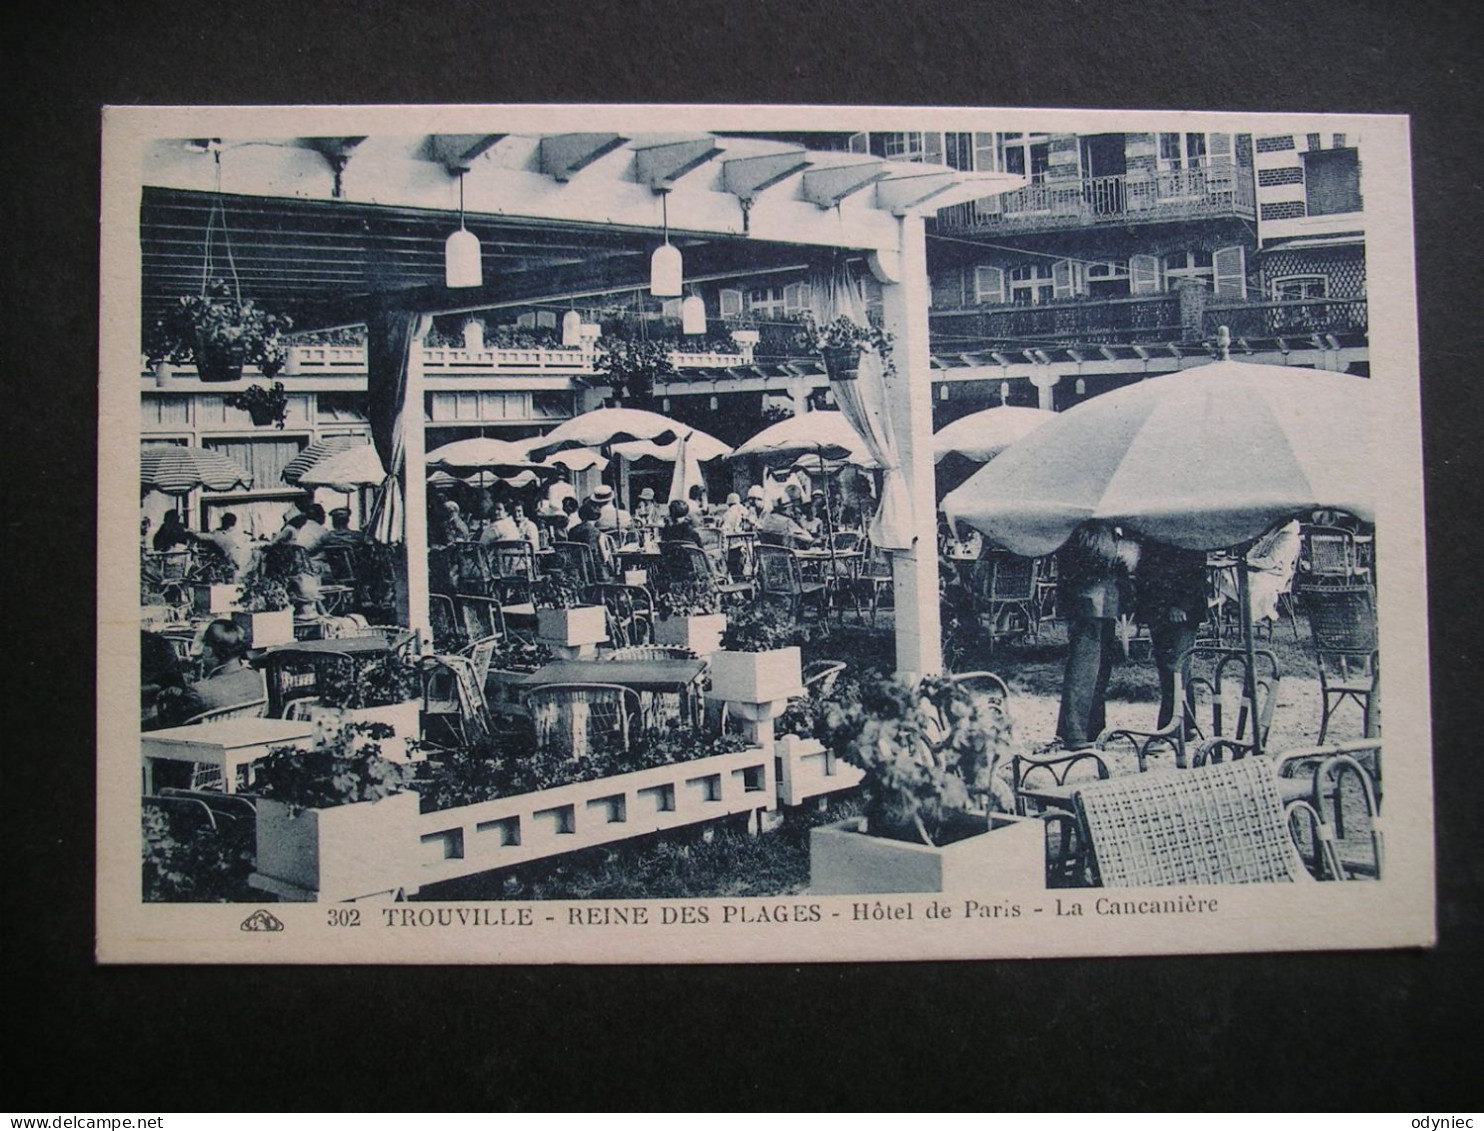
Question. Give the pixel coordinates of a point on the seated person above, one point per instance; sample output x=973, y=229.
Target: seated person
x=779, y=528
x=589, y=533
x=501, y=527
x=233, y=544
x=524, y=527
x=682, y=527
x=172, y=534
x=228, y=682
x=341, y=536
x=648, y=512
x=159, y=674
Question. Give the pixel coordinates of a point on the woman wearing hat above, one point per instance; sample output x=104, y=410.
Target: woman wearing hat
x=648, y=512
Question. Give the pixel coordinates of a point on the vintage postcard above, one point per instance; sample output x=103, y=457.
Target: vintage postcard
x=537, y=534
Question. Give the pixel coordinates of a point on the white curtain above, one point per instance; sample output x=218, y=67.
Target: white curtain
x=863, y=403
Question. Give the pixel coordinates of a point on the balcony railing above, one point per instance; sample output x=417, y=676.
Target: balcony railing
x=446, y=361
x=1107, y=322
x=1180, y=194
x=1288, y=319
x=1126, y=321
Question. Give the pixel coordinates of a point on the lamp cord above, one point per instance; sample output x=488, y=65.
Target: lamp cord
x=218, y=204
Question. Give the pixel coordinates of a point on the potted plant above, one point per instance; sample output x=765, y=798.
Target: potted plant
x=840, y=343
x=264, y=612
x=744, y=331
x=806, y=767
x=757, y=668
x=221, y=333
x=266, y=404
x=690, y=616
x=388, y=691
x=632, y=366
x=563, y=620
x=927, y=755
x=336, y=821
x=512, y=659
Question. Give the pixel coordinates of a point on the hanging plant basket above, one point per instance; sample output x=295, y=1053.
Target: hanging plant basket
x=215, y=363
x=266, y=404
x=221, y=333
x=842, y=363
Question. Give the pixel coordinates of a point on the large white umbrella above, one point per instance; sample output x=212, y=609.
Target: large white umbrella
x=981, y=436
x=178, y=469
x=345, y=471
x=606, y=426
x=700, y=446
x=827, y=435
x=577, y=459
x=1203, y=459
x=485, y=454
x=320, y=449
x=1206, y=459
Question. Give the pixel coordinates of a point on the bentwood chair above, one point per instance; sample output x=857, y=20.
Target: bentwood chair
x=579, y=718
x=1210, y=687
x=206, y=777
x=683, y=563
x=630, y=610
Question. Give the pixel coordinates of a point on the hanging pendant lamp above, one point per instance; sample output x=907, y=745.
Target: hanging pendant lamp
x=665, y=266
x=693, y=315
x=571, y=328
x=462, y=264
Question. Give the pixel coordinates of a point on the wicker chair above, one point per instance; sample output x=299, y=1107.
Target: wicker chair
x=1011, y=606
x=1219, y=824
x=578, y=717
x=473, y=575
x=781, y=578
x=1342, y=619
x=453, y=698
x=1329, y=555
x=512, y=562
x=482, y=617
x=578, y=561
x=684, y=563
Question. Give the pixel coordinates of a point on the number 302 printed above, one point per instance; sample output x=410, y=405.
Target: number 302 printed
x=344, y=916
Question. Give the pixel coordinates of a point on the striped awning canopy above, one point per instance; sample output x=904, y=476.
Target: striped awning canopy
x=317, y=451
x=178, y=469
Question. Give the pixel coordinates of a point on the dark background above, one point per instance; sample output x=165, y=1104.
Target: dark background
x=1313, y=1031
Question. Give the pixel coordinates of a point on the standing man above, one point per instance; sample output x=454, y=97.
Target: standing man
x=1094, y=568
x=234, y=546
x=1172, y=602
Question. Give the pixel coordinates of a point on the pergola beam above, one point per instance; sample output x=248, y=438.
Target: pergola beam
x=456, y=152
x=564, y=155
x=827, y=187
x=745, y=177
x=660, y=165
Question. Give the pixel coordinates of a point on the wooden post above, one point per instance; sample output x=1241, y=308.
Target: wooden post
x=415, y=487
x=909, y=400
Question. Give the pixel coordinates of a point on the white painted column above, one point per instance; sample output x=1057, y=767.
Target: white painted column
x=415, y=487
x=1044, y=383
x=909, y=399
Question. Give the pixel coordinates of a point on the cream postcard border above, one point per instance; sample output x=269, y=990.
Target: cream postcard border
x=1398, y=911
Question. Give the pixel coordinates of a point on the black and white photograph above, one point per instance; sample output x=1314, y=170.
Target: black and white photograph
x=734, y=534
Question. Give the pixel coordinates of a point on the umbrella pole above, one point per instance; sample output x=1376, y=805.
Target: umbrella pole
x=1249, y=650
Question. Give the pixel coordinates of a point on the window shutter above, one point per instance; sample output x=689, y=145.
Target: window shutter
x=932, y=148
x=1063, y=279
x=989, y=285
x=1220, y=149
x=731, y=303
x=1231, y=272
x=984, y=153
x=1143, y=272
x=860, y=143
x=670, y=308
x=546, y=319
x=527, y=320
x=796, y=298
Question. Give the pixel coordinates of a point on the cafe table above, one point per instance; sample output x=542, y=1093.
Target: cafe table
x=226, y=744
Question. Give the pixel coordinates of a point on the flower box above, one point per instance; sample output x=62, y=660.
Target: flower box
x=701, y=634
x=572, y=628
x=844, y=860
x=345, y=852
x=756, y=677
x=746, y=338
x=215, y=598
x=806, y=769
x=530, y=826
x=263, y=630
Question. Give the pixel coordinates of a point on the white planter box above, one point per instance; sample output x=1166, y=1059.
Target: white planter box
x=513, y=830
x=586, y=624
x=702, y=634
x=263, y=630
x=845, y=861
x=747, y=337
x=346, y=852
x=215, y=598
x=756, y=677
x=405, y=719
x=806, y=769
